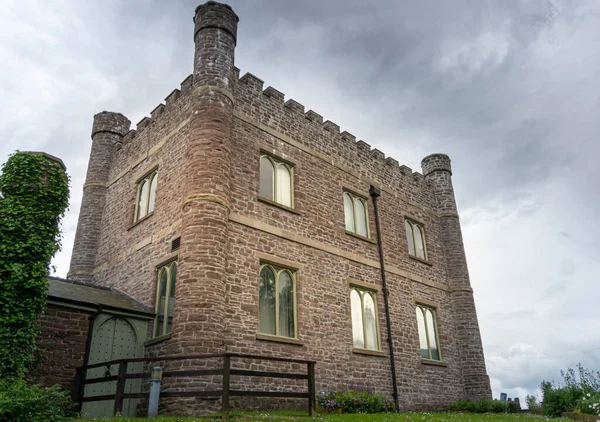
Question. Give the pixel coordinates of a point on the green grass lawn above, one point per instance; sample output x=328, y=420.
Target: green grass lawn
x=381, y=417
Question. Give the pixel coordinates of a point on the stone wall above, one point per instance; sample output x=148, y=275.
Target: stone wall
x=220, y=296
x=61, y=344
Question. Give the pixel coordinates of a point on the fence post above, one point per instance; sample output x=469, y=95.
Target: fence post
x=226, y=380
x=311, y=389
x=120, y=391
x=78, y=387
x=153, y=400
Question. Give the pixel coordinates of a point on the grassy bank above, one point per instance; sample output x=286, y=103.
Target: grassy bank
x=382, y=417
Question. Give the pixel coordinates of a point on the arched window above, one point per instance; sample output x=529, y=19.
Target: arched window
x=415, y=237
x=165, y=299
x=276, y=181
x=276, y=301
x=365, y=331
x=428, y=337
x=146, y=196
x=355, y=215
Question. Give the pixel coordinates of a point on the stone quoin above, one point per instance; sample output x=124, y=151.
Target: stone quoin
x=266, y=213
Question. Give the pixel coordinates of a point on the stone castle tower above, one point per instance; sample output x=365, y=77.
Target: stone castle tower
x=207, y=146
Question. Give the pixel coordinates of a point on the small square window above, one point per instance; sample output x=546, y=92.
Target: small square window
x=365, y=326
x=165, y=299
x=355, y=215
x=428, y=337
x=146, y=196
x=276, y=181
x=415, y=237
x=277, y=301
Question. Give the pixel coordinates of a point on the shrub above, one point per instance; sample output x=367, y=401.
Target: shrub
x=355, y=401
x=590, y=404
x=479, y=406
x=559, y=399
x=20, y=402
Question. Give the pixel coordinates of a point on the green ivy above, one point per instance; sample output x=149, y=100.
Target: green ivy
x=35, y=195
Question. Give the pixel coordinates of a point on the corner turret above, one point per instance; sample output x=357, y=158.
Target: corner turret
x=438, y=174
x=108, y=130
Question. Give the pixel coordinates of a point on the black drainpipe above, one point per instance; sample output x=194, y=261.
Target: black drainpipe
x=376, y=193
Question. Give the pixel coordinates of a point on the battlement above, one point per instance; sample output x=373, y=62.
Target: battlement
x=253, y=86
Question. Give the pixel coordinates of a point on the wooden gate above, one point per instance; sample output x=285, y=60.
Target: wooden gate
x=113, y=338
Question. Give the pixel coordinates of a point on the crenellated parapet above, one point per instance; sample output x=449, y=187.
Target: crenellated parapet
x=252, y=89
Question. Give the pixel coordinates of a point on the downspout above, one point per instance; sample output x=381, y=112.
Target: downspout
x=376, y=193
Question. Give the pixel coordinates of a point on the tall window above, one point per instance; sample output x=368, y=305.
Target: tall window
x=165, y=299
x=365, y=334
x=276, y=181
x=355, y=215
x=276, y=301
x=146, y=196
x=415, y=236
x=428, y=338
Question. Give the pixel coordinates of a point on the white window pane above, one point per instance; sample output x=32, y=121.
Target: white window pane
x=143, y=200
x=357, y=321
x=420, y=249
x=286, y=305
x=361, y=218
x=266, y=302
x=432, y=337
x=409, y=238
x=171, y=306
x=152, y=198
x=349, y=213
x=160, y=307
x=267, y=179
x=284, y=186
x=422, y=334
x=370, y=322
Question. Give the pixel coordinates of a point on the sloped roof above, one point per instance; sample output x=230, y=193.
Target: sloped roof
x=76, y=292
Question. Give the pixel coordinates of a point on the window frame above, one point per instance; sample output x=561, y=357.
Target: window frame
x=425, y=307
x=362, y=290
x=147, y=178
x=277, y=271
x=275, y=163
x=414, y=223
x=356, y=197
x=168, y=266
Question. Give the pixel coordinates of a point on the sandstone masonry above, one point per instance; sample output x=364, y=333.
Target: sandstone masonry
x=205, y=142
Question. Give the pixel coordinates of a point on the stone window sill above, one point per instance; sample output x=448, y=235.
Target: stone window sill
x=433, y=362
x=279, y=339
x=422, y=261
x=278, y=205
x=157, y=340
x=141, y=220
x=368, y=352
x=358, y=236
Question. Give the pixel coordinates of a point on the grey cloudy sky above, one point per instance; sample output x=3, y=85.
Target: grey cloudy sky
x=509, y=89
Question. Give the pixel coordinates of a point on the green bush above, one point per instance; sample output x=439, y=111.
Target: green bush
x=590, y=403
x=355, y=401
x=479, y=406
x=21, y=402
x=558, y=399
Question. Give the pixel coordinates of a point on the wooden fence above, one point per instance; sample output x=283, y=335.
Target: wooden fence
x=226, y=371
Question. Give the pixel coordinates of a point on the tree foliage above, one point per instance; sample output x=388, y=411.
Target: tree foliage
x=35, y=190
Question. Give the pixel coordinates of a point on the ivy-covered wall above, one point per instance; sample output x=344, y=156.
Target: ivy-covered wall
x=35, y=195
